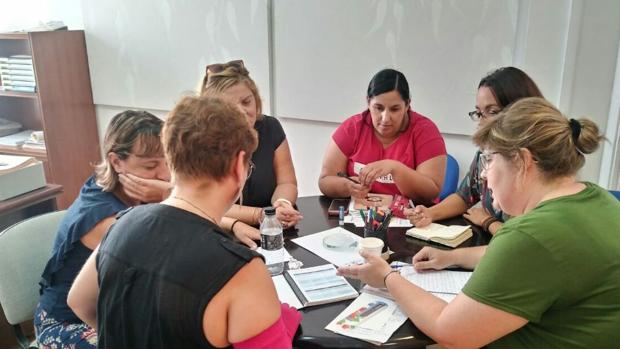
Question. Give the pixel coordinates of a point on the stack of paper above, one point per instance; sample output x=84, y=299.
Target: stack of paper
x=370, y=318
x=17, y=73
x=452, y=235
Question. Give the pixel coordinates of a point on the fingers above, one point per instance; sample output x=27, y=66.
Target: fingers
x=426, y=265
x=351, y=271
x=248, y=242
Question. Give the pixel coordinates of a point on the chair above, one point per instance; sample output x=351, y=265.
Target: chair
x=451, y=179
x=24, y=250
x=615, y=193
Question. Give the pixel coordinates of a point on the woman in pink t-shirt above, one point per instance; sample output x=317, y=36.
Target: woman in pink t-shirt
x=387, y=149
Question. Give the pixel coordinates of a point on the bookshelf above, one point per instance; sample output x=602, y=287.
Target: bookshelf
x=62, y=106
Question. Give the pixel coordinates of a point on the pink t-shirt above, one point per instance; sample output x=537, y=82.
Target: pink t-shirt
x=355, y=137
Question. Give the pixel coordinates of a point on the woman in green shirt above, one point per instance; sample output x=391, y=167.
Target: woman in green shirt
x=550, y=277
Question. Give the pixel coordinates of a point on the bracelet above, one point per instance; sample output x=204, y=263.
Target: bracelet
x=388, y=274
x=284, y=201
x=232, y=226
x=487, y=223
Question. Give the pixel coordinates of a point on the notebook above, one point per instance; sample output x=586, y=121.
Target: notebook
x=313, y=286
x=448, y=235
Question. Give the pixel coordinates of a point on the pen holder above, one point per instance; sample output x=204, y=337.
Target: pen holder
x=379, y=233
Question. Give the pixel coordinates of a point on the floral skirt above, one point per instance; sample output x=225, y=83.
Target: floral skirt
x=53, y=334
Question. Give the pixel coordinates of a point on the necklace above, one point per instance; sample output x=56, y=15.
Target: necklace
x=196, y=207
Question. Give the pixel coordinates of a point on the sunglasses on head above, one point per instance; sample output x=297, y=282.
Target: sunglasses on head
x=219, y=67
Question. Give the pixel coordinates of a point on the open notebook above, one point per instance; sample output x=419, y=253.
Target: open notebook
x=449, y=235
x=313, y=286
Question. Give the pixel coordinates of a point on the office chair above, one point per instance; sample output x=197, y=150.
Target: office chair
x=451, y=179
x=24, y=250
x=615, y=193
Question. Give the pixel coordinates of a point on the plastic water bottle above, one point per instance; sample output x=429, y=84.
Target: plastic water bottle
x=272, y=241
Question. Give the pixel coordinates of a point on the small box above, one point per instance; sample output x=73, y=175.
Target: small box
x=22, y=180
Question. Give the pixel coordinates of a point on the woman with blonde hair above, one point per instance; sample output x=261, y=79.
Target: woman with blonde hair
x=550, y=277
x=132, y=172
x=274, y=182
x=166, y=275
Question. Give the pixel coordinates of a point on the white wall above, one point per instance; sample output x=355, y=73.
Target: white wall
x=24, y=14
x=570, y=48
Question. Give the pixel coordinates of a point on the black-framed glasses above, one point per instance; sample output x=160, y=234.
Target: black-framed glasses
x=476, y=115
x=485, y=160
x=219, y=67
x=251, y=168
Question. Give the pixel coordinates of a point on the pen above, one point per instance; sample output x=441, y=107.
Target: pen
x=344, y=175
x=411, y=203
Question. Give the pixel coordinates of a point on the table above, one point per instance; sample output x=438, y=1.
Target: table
x=313, y=334
x=29, y=204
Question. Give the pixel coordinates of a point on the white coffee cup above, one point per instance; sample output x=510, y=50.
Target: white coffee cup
x=372, y=246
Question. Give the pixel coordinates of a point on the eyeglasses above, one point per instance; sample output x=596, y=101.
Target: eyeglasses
x=219, y=67
x=485, y=160
x=476, y=115
x=251, y=168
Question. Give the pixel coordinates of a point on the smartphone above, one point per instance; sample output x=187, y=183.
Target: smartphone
x=336, y=203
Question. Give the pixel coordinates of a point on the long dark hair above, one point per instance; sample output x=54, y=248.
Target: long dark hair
x=510, y=84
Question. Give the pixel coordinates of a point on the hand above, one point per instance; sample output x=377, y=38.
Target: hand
x=476, y=215
x=432, y=258
x=358, y=191
x=246, y=234
x=372, y=272
x=420, y=216
x=144, y=190
x=374, y=170
x=286, y=214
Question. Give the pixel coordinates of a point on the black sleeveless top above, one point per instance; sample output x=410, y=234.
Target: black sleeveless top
x=159, y=266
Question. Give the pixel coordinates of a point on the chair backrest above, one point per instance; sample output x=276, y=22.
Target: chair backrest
x=451, y=180
x=615, y=193
x=24, y=250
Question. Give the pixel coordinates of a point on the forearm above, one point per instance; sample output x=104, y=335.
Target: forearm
x=414, y=184
x=469, y=257
x=495, y=227
x=451, y=206
x=334, y=187
x=247, y=214
x=286, y=191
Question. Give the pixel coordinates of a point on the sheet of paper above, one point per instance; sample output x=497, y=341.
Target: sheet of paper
x=395, y=222
x=271, y=258
x=285, y=292
x=442, y=281
x=314, y=244
x=377, y=328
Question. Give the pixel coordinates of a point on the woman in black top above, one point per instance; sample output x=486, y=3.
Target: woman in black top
x=274, y=182
x=166, y=275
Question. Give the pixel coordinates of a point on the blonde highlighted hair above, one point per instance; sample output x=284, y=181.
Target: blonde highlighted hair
x=556, y=143
x=130, y=132
x=227, y=75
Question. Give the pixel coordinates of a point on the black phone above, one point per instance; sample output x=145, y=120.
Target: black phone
x=334, y=207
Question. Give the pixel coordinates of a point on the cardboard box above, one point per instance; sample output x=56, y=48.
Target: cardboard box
x=21, y=180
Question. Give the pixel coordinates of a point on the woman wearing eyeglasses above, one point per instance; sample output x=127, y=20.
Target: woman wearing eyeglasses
x=495, y=91
x=550, y=278
x=166, y=275
x=274, y=182
x=387, y=149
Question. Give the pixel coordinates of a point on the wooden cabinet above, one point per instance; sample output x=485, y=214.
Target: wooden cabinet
x=62, y=106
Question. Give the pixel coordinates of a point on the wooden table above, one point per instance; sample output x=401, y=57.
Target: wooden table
x=313, y=334
x=27, y=205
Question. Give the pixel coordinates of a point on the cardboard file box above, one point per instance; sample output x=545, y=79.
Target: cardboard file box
x=21, y=180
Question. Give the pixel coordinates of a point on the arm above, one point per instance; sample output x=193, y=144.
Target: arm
x=245, y=233
x=94, y=236
x=82, y=297
x=330, y=184
x=225, y=319
x=285, y=194
x=424, y=183
x=433, y=258
x=463, y=323
x=247, y=214
x=422, y=216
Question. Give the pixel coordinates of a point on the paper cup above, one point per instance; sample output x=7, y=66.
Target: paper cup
x=371, y=245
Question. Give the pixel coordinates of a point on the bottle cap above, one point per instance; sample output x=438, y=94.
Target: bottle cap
x=270, y=211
